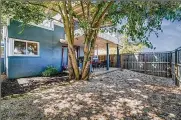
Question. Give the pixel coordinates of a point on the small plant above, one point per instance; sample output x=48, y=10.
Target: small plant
x=49, y=71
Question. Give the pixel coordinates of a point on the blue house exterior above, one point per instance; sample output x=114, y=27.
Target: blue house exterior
x=21, y=61
x=28, y=50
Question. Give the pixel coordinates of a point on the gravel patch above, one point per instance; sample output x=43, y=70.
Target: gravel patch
x=113, y=96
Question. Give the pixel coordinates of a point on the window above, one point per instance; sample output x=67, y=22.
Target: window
x=19, y=48
x=25, y=48
x=32, y=48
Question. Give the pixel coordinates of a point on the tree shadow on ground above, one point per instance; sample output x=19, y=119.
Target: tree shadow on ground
x=14, y=86
x=108, y=97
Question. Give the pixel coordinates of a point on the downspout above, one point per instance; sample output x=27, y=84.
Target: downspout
x=6, y=45
x=4, y=40
x=53, y=32
x=1, y=37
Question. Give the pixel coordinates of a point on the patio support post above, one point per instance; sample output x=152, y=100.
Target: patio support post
x=107, y=47
x=118, y=57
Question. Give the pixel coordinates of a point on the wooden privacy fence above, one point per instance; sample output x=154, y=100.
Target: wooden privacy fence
x=157, y=63
x=164, y=64
x=112, y=59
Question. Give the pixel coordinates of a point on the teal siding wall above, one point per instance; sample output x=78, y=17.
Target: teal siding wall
x=50, y=50
x=2, y=65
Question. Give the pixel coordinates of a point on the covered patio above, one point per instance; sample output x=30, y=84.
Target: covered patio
x=104, y=42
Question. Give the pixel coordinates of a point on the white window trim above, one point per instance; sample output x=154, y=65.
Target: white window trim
x=11, y=45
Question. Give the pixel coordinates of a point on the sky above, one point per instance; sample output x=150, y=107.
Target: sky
x=167, y=40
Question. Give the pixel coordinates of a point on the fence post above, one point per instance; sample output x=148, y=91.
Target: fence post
x=144, y=55
x=118, y=57
x=170, y=70
x=108, y=57
x=176, y=68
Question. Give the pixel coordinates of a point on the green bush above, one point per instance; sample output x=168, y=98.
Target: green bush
x=49, y=71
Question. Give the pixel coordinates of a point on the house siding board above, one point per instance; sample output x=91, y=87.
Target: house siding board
x=50, y=50
x=2, y=65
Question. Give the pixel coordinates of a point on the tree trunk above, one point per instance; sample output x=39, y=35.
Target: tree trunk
x=70, y=68
x=88, y=53
x=86, y=71
x=70, y=39
x=68, y=21
x=73, y=61
x=90, y=36
x=72, y=58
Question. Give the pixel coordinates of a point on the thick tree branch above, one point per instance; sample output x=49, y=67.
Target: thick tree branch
x=88, y=11
x=71, y=20
x=82, y=5
x=65, y=11
x=61, y=12
x=96, y=12
x=104, y=11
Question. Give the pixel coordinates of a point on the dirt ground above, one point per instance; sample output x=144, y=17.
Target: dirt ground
x=119, y=95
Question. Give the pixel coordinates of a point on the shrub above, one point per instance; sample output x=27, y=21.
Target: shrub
x=49, y=71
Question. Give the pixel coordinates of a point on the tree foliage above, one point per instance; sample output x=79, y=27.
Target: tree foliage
x=137, y=19
x=125, y=46
x=130, y=47
x=23, y=12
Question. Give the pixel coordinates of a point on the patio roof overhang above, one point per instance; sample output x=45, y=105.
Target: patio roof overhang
x=100, y=42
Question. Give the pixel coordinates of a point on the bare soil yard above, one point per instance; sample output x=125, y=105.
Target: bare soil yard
x=117, y=95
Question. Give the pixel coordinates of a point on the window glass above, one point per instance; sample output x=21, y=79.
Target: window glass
x=32, y=48
x=19, y=48
x=25, y=48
